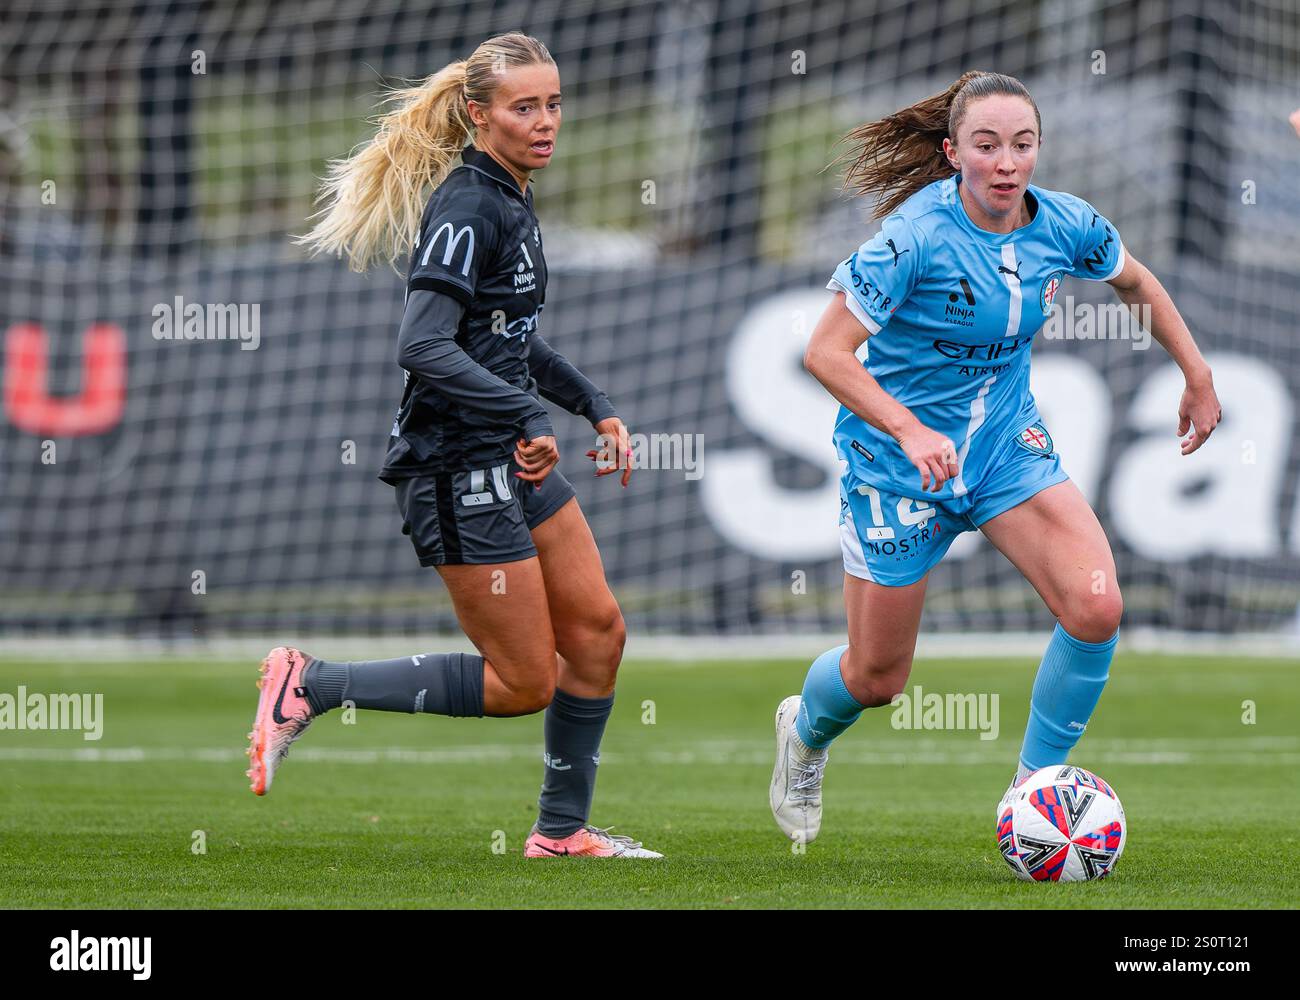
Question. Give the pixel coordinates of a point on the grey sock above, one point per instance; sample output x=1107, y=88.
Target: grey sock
x=573, y=728
x=433, y=683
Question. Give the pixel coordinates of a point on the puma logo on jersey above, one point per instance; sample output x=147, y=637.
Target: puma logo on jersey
x=1003, y=269
x=895, y=251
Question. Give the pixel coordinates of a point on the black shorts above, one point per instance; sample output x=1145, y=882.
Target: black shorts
x=479, y=516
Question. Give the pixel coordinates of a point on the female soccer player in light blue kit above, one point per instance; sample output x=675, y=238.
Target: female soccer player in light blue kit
x=938, y=428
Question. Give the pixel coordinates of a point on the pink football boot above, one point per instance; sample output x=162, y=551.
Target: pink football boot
x=283, y=714
x=586, y=842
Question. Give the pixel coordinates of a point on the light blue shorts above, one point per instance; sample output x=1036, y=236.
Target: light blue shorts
x=894, y=539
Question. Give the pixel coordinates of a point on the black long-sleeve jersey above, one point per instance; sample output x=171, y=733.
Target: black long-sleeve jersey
x=475, y=364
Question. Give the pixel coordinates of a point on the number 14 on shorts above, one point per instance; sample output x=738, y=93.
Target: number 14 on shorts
x=910, y=512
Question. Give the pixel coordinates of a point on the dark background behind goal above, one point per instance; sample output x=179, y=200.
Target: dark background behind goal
x=162, y=149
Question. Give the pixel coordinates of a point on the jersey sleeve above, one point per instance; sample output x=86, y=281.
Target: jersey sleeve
x=559, y=380
x=1098, y=250
x=426, y=347
x=881, y=273
x=458, y=236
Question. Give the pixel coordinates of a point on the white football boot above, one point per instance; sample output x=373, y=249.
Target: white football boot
x=796, y=792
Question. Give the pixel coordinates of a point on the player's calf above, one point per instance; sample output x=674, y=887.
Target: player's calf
x=1066, y=690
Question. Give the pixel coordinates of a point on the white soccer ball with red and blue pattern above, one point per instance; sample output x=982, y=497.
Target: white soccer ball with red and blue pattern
x=1064, y=824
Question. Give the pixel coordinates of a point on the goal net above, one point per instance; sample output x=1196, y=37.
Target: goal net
x=163, y=477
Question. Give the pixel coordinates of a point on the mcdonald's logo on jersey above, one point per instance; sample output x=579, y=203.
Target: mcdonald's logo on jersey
x=453, y=243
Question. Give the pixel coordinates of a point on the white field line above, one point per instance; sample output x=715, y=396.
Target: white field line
x=1244, y=751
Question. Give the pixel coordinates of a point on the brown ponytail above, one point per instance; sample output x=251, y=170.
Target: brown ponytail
x=377, y=195
x=895, y=156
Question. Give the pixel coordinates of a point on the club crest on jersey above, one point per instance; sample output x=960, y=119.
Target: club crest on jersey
x=1047, y=294
x=1035, y=438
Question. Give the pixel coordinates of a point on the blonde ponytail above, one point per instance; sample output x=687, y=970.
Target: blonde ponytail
x=377, y=195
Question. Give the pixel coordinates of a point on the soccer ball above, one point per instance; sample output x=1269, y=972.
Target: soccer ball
x=1064, y=824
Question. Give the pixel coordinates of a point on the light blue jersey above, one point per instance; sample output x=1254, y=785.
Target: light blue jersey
x=952, y=311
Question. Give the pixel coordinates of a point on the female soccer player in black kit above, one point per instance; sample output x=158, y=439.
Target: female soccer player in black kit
x=472, y=454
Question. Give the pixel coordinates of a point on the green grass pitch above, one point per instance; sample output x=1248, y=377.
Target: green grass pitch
x=404, y=811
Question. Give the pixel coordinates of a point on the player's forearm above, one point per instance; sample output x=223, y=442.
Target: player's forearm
x=426, y=347
x=1167, y=326
x=560, y=381
x=844, y=378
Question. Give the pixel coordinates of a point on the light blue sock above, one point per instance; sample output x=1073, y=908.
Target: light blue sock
x=828, y=709
x=1066, y=690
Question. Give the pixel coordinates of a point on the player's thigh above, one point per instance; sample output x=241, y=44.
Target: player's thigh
x=890, y=542
x=883, y=625
x=471, y=526
x=585, y=617
x=502, y=608
x=1055, y=539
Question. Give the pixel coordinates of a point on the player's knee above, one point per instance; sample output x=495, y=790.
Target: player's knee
x=527, y=687
x=532, y=695
x=1095, y=617
x=874, y=682
x=540, y=693
x=595, y=645
x=882, y=690
x=616, y=639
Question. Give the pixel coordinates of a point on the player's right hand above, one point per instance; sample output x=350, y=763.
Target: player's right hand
x=933, y=454
x=536, y=458
x=613, y=451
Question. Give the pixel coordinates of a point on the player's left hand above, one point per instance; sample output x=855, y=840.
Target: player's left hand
x=1199, y=409
x=536, y=459
x=613, y=449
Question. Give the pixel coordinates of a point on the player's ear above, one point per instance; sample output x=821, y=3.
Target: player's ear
x=949, y=149
x=477, y=114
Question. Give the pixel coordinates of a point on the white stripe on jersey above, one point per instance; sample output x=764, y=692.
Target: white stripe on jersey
x=1013, y=283
x=976, y=421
